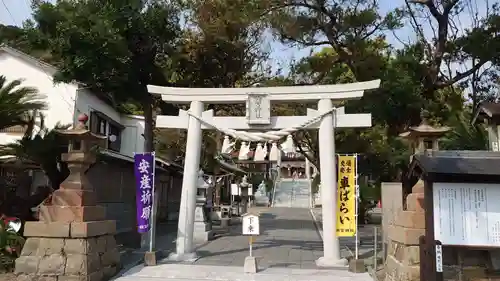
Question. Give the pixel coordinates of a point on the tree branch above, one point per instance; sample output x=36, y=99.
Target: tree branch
x=447, y=8
x=417, y=27
x=312, y=160
x=461, y=75
x=430, y=4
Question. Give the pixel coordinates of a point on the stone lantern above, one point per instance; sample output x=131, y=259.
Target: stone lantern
x=73, y=240
x=421, y=138
x=246, y=190
x=202, y=224
x=202, y=189
x=424, y=136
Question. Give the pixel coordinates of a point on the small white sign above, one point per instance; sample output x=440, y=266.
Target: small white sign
x=439, y=258
x=250, y=224
x=235, y=189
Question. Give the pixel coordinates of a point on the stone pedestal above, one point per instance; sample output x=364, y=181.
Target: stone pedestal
x=72, y=241
x=250, y=265
x=202, y=227
x=403, y=253
x=357, y=266
x=61, y=251
x=151, y=258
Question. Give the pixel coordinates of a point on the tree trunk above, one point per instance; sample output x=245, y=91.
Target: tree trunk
x=147, y=105
x=218, y=137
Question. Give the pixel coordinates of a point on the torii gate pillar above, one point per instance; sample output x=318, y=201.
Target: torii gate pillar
x=184, y=243
x=324, y=93
x=331, y=249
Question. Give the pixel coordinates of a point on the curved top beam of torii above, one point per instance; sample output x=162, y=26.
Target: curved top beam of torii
x=287, y=93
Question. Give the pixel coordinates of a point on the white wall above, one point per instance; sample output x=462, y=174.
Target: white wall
x=60, y=98
x=86, y=102
x=132, y=139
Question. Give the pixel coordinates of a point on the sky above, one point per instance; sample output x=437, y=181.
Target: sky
x=15, y=12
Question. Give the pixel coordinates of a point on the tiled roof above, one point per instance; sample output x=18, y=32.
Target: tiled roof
x=487, y=110
x=480, y=163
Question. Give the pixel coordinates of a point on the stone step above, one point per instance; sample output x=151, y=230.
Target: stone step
x=292, y=193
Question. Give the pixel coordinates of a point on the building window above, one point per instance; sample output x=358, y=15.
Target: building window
x=101, y=124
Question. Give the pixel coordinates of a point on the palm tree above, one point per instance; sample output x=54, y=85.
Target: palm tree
x=17, y=103
x=43, y=147
x=465, y=136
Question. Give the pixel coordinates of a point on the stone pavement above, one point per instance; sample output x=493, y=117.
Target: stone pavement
x=288, y=239
x=366, y=238
x=184, y=272
x=287, y=249
x=165, y=242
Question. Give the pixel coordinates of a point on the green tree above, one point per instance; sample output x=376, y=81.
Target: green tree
x=116, y=48
x=349, y=27
x=440, y=42
x=17, y=103
x=465, y=136
x=43, y=147
x=11, y=35
x=394, y=107
x=451, y=52
x=221, y=47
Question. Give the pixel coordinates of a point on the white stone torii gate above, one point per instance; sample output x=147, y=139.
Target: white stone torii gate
x=258, y=99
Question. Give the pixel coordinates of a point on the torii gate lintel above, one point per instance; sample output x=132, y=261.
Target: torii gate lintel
x=342, y=120
x=279, y=94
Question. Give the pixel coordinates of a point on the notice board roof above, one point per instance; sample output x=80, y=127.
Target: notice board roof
x=457, y=166
x=487, y=110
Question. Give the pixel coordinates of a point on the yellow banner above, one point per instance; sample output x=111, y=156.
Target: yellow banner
x=346, y=196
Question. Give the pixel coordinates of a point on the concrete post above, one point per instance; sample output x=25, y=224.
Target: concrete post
x=331, y=251
x=185, y=249
x=308, y=177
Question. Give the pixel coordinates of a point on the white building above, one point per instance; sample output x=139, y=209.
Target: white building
x=113, y=177
x=66, y=101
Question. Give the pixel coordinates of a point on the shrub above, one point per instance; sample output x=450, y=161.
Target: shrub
x=11, y=244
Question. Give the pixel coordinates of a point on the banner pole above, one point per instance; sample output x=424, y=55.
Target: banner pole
x=356, y=250
x=154, y=204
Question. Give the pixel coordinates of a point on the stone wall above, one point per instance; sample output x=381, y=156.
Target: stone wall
x=170, y=200
x=114, y=184
x=403, y=252
x=392, y=202
x=87, y=253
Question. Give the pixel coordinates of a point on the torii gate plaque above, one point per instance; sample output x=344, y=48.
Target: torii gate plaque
x=258, y=117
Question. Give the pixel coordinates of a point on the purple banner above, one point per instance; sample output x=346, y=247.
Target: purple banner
x=144, y=179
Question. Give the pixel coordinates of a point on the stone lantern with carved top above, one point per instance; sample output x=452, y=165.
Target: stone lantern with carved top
x=73, y=240
x=76, y=199
x=202, y=225
x=424, y=136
